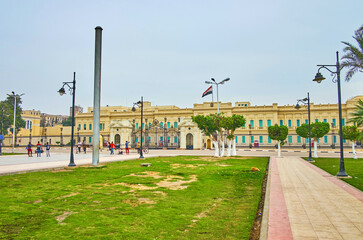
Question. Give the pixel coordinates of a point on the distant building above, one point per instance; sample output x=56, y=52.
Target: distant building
x=77, y=109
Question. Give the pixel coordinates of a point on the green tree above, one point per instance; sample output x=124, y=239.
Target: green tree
x=210, y=126
x=318, y=130
x=353, y=58
x=8, y=114
x=278, y=133
x=351, y=133
x=358, y=114
x=68, y=122
x=230, y=124
x=303, y=130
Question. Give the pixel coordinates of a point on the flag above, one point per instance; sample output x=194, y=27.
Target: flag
x=208, y=91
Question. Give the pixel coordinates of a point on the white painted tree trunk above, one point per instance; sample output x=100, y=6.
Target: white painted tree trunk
x=229, y=148
x=315, y=149
x=216, y=149
x=234, y=153
x=278, y=149
x=222, y=151
x=354, y=152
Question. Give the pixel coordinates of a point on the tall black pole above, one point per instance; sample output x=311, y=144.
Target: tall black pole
x=310, y=158
x=142, y=107
x=71, y=162
x=341, y=172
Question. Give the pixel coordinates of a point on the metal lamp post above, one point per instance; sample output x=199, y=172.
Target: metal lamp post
x=318, y=78
x=15, y=96
x=141, y=105
x=215, y=83
x=306, y=101
x=72, y=90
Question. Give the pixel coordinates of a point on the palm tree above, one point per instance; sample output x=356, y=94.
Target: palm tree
x=353, y=58
x=358, y=114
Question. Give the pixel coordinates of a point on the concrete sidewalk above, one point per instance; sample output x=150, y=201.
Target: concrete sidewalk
x=305, y=202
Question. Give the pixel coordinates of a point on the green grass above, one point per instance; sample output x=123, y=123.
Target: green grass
x=12, y=154
x=353, y=167
x=122, y=201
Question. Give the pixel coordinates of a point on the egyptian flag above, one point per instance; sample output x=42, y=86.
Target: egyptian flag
x=208, y=91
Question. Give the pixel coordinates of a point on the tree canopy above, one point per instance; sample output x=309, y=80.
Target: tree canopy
x=303, y=130
x=68, y=121
x=358, y=114
x=277, y=132
x=353, y=58
x=351, y=133
x=319, y=129
x=230, y=124
x=7, y=114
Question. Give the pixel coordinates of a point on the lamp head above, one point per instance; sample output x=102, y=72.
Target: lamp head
x=133, y=109
x=318, y=78
x=61, y=91
x=226, y=80
x=208, y=82
x=297, y=106
x=213, y=79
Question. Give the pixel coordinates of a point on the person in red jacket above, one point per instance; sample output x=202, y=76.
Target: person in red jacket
x=112, y=147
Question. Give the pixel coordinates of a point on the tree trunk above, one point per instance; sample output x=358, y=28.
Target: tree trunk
x=315, y=149
x=216, y=149
x=278, y=149
x=354, y=152
x=222, y=151
x=229, y=148
x=234, y=153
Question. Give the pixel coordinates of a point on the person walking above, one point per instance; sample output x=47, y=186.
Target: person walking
x=79, y=145
x=29, y=148
x=47, y=148
x=84, y=146
x=127, y=147
x=112, y=147
x=39, y=149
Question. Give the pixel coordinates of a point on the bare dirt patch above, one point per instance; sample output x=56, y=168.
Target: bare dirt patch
x=163, y=194
x=176, y=185
x=222, y=165
x=69, y=195
x=62, y=217
x=38, y=201
x=146, y=174
x=192, y=166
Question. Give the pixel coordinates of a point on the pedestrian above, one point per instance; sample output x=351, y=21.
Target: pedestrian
x=39, y=149
x=79, y=145
x=112, y=147
x=29, y=148
x=84, y=146
x=138, y=147
x=47, y=148
x=127, y=147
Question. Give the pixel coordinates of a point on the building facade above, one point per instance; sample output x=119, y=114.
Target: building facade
x=171, y=127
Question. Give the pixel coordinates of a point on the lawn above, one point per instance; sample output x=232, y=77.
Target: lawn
x=176, y=198
x=353, y=167
x=4, y=154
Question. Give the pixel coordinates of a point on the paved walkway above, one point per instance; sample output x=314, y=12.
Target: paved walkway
x=308, y=203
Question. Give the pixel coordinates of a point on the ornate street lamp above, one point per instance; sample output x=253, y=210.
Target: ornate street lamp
x=140, y=104
x=215, y=83
x=72, y=90
x=306, y=101
x=318, y=78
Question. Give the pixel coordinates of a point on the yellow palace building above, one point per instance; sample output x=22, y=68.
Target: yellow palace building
x=171, y=127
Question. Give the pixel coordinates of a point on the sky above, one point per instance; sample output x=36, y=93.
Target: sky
x=165, y=50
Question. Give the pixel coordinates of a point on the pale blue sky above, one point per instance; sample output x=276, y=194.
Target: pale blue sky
x=165, y=50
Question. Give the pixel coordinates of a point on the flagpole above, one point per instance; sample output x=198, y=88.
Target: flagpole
x=212, y=94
